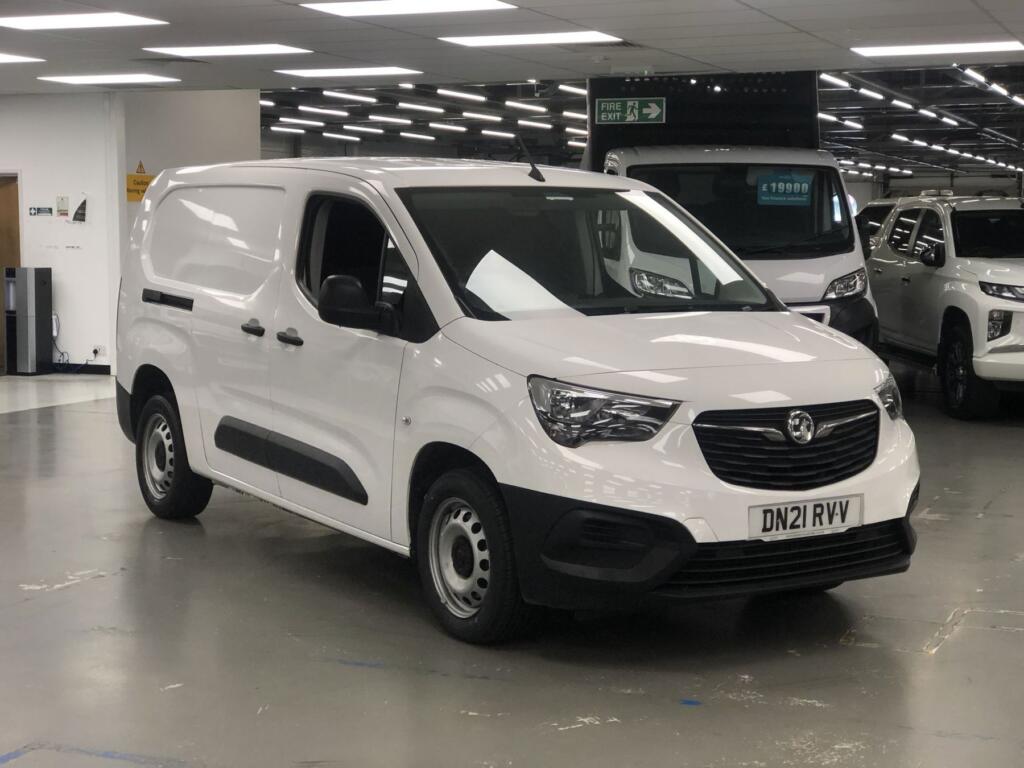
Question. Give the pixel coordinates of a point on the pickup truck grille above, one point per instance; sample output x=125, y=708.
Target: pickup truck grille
x=751, y=447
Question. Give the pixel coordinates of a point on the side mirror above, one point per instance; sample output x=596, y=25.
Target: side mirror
x=934, y=255
x=343, y=302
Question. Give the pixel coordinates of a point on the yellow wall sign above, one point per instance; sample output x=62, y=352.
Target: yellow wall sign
x=138, y=183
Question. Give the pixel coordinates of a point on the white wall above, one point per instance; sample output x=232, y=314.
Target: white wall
x=83, y=145
x=68, y=145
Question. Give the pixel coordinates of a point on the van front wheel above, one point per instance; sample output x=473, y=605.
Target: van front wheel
x=465, y=559
x=171, y=489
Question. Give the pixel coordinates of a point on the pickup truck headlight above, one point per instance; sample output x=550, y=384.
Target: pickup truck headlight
x=653, y=284
x=889, y=394
x=573, y=415
x=1000, y=291
x=853, y=284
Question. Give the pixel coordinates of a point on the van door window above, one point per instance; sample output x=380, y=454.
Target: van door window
x=902, y=229
x=344, y=237
x=929, y=232
x=395, y=277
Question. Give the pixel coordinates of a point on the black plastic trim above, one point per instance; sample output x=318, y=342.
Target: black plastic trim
x=289, y=457
x=124, y=411
x=153, y=296
x=854, y=316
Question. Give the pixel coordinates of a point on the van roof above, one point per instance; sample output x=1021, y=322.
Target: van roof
x=694, y=154
x=398, y=172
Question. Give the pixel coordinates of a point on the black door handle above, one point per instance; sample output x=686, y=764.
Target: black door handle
x=904, y=279
x=253, y=328
x=286, y=338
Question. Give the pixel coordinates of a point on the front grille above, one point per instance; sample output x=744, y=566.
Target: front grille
x=751, y=459
x=740, y=567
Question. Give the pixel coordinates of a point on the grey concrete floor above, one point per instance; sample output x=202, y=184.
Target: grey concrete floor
x=255, y=638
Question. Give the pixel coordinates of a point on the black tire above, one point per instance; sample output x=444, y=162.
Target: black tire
x=171, y=489
x=454, y=505
x=964, y=395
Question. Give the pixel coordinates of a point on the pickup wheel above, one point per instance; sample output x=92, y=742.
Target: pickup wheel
x=171, y=489
x=964, y=394
x=465, y=560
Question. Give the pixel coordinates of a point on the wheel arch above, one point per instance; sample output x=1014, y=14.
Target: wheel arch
x=432, y=461
x=149, y=380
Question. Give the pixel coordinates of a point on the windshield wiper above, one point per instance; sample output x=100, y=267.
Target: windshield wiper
x=795, y=244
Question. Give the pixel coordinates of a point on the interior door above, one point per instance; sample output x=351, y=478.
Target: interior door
x=886, y=269
x=921, y=286
x=335, y=389
x=10, y=245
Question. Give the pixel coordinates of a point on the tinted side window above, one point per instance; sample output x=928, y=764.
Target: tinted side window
x=902, y=229
x=340, y=237
x=871, y=218
x=929, y=232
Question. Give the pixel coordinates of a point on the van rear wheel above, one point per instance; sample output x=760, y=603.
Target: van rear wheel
x=171, y=489
x=465, y=559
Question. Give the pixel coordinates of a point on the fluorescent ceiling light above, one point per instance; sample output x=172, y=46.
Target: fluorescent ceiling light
x=341, y=136
x=937, y=48
x=572, y=89
x=903, y=104
x=927, y=113
x=285, y=129
x=871, y=94
x=999, y=89
x=975, y=74
x=524, y=106
x=846, y=162
x=417, y=136
x=76, y=21
x=895, y=170
x=900, y=137
x=126, y=79
x=853, y=124
x=939, y=147
x=574, y=143
x=1019, y=100
x=386, y=119
x=300, y=121
x=420, y=107
x=576, y=131
x=203, y=51
x=403, y=7
x=349, y=72
x=322, y=111
x=949, y=120
x=363, y=129
x=448, y=127
x=482, y=116
x=350, y=97
x=535, y=124
x=543, y=38
x=499, y=134
x=863, y=165
x=461, y=94
x=10, y=58
x=574, y=115
x=266, y=103
x=834, y=80
x=406, y=86
x=920, y=143
x=879, y=167
x=826, y=116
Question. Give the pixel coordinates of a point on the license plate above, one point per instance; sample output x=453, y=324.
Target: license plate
x=803, y=518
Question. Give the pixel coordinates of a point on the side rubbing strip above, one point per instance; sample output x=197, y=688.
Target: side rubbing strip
x=289, y=457
x=151, y=296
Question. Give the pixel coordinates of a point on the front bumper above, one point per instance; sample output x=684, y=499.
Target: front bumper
x=855, y=316
x=575, y=555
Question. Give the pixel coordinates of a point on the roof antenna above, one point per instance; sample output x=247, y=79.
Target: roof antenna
x=535, y=173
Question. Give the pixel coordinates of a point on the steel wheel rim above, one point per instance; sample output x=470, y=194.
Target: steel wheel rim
x=158, y=457
x=459, y=558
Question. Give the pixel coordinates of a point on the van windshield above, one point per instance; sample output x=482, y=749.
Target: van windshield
x=996, y=234
x=513, y=252
x=761, y=211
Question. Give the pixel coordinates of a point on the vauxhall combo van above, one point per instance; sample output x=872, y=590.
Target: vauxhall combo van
x=445, y=358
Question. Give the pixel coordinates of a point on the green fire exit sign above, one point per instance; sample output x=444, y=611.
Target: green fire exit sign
x=620, y=111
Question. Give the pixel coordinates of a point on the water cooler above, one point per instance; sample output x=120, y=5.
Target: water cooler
x=28, y=313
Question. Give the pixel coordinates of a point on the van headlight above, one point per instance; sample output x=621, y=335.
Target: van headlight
x=889, y=394
x=853, y=284
x=574, y=415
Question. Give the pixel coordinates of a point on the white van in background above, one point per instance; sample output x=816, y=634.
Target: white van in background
x=785, y=212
